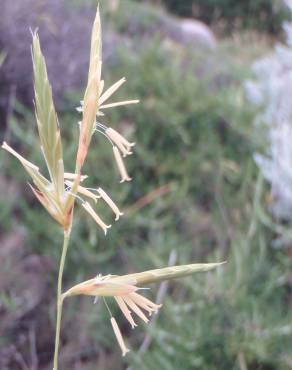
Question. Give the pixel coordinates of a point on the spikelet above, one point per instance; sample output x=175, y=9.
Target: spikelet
x=102, y=287
x=51, y=194
x=124, y=290
x=45, y=192
x=90, y=109
x=47, y=120
x=92, y=92
x=166, y=273
x=114, y=285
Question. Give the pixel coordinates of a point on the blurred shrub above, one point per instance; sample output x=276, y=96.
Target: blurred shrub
x=265, y=15
x=271, y=91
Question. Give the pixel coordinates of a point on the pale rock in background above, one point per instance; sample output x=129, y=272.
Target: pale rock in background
x=195, y=32
x=271, y=91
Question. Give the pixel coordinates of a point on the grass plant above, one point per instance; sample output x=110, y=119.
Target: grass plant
x=60, y=190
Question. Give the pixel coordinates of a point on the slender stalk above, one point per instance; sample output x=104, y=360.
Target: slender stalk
x=60, y=299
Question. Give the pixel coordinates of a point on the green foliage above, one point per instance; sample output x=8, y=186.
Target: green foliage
x=264, y=15
x=228, y=320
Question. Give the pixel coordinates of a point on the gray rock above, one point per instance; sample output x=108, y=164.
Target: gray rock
x=64, y=31
x=195, y=32
x=61, y=39
x=65, y=39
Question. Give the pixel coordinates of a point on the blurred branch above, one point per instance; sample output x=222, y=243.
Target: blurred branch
x=33, y=349
x=242, y=361
x=148, y=198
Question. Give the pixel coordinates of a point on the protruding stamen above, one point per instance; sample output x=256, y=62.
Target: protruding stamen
x=119, y=337
x=110, y=203
x=95, y=216
x=119, y=103
x=135, y=308
x=83, y=190
x=73, y=176
x=126, y=311
x=145, y=303
x=123, y=144
x=121, y=165
x=101, y=125
x=109, y=92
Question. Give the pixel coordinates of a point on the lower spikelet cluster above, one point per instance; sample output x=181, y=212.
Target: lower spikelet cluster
x=125, y=294
x=124, y=291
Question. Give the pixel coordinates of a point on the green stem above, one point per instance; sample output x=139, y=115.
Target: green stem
x=60, y=299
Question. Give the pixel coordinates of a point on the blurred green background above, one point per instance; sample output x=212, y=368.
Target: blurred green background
x=196, y=196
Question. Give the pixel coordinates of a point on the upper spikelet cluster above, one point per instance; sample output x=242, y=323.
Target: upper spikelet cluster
x=59, y=192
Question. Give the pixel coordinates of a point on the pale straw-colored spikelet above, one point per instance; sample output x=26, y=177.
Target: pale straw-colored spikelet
x=168, y=273
x=45, y=191
x=124, y=290
x=24, y=162
x=90, y=104
x=90, y=110
x=46, y=117
x=49, y=193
